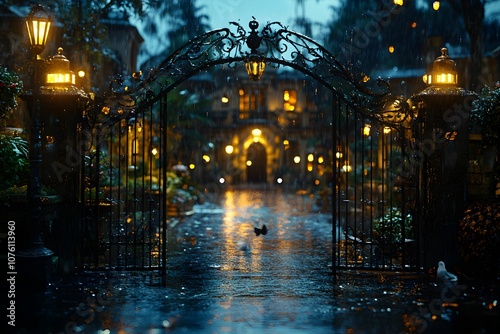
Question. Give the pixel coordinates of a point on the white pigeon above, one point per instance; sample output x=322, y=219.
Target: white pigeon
x=442, y=275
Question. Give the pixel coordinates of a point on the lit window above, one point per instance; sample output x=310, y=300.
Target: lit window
x=252, y=100
x=289, y=99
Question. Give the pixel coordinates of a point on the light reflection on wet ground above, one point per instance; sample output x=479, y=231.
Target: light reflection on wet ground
x=222, y=278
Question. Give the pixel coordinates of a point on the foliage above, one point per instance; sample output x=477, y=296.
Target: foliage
x=387, y=227
x=486, y=110
x=180, y=189
x=479, y=236
x=14, y=164
x=10, y=88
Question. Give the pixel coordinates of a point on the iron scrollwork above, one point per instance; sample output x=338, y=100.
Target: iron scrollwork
x=278, y=46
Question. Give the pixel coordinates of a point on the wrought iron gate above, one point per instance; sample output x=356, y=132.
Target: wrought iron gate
x=373, y=190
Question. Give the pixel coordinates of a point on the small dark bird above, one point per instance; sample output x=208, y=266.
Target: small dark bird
x=259, y=231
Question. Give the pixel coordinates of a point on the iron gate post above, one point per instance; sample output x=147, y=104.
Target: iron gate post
x=441, y=148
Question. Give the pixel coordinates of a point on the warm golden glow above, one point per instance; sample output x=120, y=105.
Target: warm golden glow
x=339, y=155
x=436, y=5
x=206, y=158
x=249, y=163
x=398, y=2
x=154, y=151
x=255, y=67
x=105, y=110
x=296, y=159
x=321, y=159
x=309, y=167
x=387, y=130
x=61, y=78
x=256, y=132
x=347, y=168
x=229, y=149
x=366, y=130
x=289, y=100
x=38, y=28
x=310, y=157
x=391, y=48
x=81, y=73
x=414, y=24
x=224, y=99
x=192, y=166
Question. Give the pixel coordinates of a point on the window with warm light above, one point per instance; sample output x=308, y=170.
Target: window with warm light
x=289, y=99
x=251, y=100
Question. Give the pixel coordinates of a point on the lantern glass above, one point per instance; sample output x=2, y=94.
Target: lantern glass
x=61, y=78
x=38, y=24
x=255, y=67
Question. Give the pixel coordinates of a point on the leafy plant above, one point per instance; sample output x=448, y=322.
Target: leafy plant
x=388, y=227
x=14, y=164
x=10, y=88
x=486, y=110
x=180, y=190
x=479, y=236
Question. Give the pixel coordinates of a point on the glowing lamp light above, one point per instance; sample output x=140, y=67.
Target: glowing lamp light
x=296, y=159
x=224, y=99
x=366, y=130
x=206, y=158
x=255, y=66
x=310, y=157
x=436, y=5
x=398, y=2
x=256, y=132
x=229, y=149
x=347, y=168
x=59, y=72
x=443, y=71
x=38, y=25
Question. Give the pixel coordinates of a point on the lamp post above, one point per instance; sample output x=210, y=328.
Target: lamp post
x=441, y=142
x=33, y=254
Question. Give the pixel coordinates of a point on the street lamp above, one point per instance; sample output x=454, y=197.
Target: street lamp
x=254, y=62
x=34, y=253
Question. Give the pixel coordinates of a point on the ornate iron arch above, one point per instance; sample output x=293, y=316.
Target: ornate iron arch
x=277, y=46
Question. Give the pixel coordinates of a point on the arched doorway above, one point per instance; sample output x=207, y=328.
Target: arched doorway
x=256, y=163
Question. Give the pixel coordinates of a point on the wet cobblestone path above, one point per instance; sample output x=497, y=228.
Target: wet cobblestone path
x=223, y=278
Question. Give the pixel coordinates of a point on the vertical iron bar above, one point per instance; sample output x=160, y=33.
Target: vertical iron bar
x=334, y=190
x=164, y=161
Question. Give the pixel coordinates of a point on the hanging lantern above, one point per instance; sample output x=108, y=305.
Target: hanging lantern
x=255, y=66
x=254, y=62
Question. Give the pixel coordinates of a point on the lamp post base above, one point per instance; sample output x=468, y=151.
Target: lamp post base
x=34, y=268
